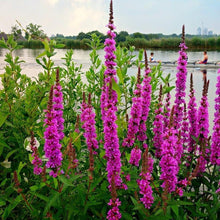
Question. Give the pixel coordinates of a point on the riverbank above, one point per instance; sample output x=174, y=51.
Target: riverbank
x=194, y=44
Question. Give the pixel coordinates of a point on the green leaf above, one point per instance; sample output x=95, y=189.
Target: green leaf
x=181, y=203
x=36, y=187
x=119, y=74
x=21, y=165
x=52, y=200
x=68, y=182
x=3, y=117
x=3, y=44
x=30, y=157
x=46, y=44
x=76, y=139
x=168, y=89
x=59, y=46
x=43, y=197
x=3, y=182
x=126, y=216
x=2, y=203
x=175, y=209
x=116, y=87
x=14, y=203
x=10, y=153
x=41, y=55
x=136, y=204
x=2, y=145
x=55, y=183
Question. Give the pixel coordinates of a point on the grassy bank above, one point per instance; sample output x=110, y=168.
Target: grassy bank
x=195, y=43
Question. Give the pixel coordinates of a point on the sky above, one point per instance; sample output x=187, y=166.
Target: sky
x=69, y=17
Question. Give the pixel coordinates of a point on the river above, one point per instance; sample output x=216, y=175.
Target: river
x=31, y=68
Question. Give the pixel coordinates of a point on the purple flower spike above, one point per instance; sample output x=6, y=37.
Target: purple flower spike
x=203, y=128
x=135, y=156
x=167, y=110
x=158, y=127
x=215, y=146
x=144, y=184
x=88, y=119
x=37, y=162
x=113, y=213
x=58, y=106
x=185, y=128
x=52, y=146
x=180, y=83
x=193, y=120
x=109, y=108
x=168, y=163
x=170, y=157
x=136, y=114
x=146, y=100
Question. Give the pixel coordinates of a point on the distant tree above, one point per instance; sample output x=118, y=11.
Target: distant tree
x=59, y=35
x=153, y=36
x=16, y=31
x=121, y=36
x=138, y=35
x=88, y=35
x=97, y=33
x=34, y=31
x=81, y=36
x=70, y=37
x=174, y=35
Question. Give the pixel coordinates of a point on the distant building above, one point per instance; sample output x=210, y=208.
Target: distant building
x=205, y=31
x=199, y=31
x=210, y=33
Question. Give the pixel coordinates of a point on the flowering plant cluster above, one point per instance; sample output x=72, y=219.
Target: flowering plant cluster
x=124, y=153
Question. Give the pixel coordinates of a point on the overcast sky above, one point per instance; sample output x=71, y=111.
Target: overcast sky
x=69, y=17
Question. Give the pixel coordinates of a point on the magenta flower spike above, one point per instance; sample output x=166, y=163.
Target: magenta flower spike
x=58, y=106
x=135, y=156
x=215, y=146
x=88, y=120
x=158, y=127
x=109, y=108
x=193, y=119
x=114, y=213
x=52, y=146
x=168, y=163
x=203, y=128
x=111, y=144
x=185, y=129
x=136, y=114
x=144, y=183
x=170, y=158
x=180, y=83
x=167, y=110
x=37, y=162
x=146, y=100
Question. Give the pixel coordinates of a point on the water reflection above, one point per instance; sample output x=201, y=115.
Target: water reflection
x=204, y=73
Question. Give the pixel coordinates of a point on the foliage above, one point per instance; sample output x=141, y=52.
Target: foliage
x=16, y=31
x=34, y=31
x=75, y=194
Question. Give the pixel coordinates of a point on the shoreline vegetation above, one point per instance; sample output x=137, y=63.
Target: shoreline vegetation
x=123, y=39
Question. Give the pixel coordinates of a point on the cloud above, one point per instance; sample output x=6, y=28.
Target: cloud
x=69, y=17
x=87, y=15
x=52, y=2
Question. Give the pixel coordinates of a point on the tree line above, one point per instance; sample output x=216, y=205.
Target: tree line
x=30, y=37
